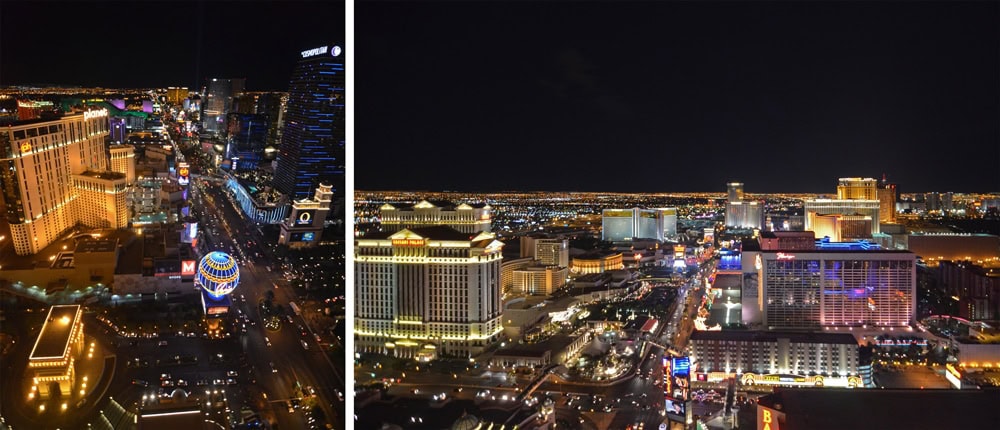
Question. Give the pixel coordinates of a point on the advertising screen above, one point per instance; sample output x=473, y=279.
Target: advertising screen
x=302, y=237
x=676, y=386
x=217, y=310
x=182, y=173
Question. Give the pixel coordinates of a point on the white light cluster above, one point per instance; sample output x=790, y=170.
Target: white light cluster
x=314, y=51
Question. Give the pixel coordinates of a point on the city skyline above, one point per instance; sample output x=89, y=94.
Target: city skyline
x=185, y=43
x=779, y=96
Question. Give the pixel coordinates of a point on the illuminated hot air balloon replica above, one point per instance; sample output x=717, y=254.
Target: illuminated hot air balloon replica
x=217, y=275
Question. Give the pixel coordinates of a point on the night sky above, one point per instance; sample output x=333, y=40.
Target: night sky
x=646, y=97
x=152, y=44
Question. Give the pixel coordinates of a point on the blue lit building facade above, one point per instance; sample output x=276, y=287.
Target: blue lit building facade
x=263, y=210
x=312, y=141
x=248, y=134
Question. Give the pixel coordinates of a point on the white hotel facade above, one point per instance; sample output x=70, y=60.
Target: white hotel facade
x=427, y=291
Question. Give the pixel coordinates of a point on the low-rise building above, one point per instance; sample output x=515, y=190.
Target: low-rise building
x=776, y=358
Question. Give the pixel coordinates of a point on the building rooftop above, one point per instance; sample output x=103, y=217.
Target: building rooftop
x=728, y=281
x=773, y=336
x=436, y=232
x=837, y=408
x=847, y=249
x=106, y=175
x=185, y=415
x=53, y=340
x=96, y=245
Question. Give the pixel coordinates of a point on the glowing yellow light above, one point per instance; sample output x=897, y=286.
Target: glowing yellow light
x=41, y=408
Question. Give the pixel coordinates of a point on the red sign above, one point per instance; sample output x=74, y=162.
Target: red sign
x=187, y=267
x=407, y=242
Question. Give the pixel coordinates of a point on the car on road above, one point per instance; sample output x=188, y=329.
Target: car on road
x=162, y=343
x=140, y=382
x=273, y=369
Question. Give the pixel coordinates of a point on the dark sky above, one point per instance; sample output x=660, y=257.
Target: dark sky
x=147, y=44
x=783, y=96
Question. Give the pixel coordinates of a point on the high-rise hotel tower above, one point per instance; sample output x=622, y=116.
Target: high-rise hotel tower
x=429, y=283
x=54, y=175
x=424, y=291
x=312, y=141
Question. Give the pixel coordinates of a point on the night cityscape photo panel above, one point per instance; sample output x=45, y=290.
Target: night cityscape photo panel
x=172, y=254
x=676, y=215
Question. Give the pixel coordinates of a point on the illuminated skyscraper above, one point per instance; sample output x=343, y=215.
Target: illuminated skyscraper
x=735, y=191
x=123, y=161
x=744, y=214
x=119, y=130
x=887, y=201
x=426, y=291
x=312, y=141
x=869, y=208
x=813, y=289
x=857, y=189
x=218, y=102
x=54, y=176
x=625, y=224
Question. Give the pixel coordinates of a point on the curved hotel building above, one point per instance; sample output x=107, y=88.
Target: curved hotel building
x=54, y=175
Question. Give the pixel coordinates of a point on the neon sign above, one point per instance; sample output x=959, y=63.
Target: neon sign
x=90, y=114
x=25, y=147
x=315, y=51
x=187, y=267
x=407, y=242
x=783, y=256
x=305, y=217
x=767, y=420
x=336, y=51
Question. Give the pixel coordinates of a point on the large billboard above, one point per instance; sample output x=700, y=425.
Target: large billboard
x=676, y=387
x=190, y=231
x=302, y=237
x=183, y=171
